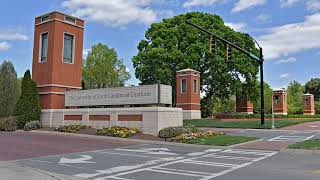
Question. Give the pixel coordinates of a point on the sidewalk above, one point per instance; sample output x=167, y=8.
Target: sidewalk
x=10, y=171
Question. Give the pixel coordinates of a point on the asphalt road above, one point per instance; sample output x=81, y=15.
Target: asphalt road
x=110, y=159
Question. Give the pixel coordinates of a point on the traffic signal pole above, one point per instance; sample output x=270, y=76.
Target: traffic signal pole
x=251, y=55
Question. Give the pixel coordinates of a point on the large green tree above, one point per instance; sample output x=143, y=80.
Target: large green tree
x=172, y=45
x=313, y=87
x=103, y=68
x=268, y=93
x=295, y=95
x=28, y=106
x=8, y=88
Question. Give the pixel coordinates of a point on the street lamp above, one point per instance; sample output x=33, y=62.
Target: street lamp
x=251, y=55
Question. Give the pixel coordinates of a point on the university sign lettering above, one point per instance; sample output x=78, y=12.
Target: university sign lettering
x=149, y=94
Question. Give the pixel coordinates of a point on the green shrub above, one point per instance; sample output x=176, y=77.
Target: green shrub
x=257, y=116
x=28, y=106
x=117, y=131
x=32, y=125
x=71, y=128
x=8, y=124
x=172, y=132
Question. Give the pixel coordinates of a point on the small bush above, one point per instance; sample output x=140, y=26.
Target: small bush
x=8, y=124
x=32, y=125
x=117, y=131
x=71, y=128
x=172, y=132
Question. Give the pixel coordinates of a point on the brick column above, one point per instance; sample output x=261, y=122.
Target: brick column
x=308, y=104
x=243, y=104
x=188, y=93
x=280, y=102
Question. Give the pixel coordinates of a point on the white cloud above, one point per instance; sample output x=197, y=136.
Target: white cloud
x=313, y=5
x=237, y=26
x=291, y=38
x=4, y=46
x=286, y=61
x=285, y=76
x=85, y=53
x=287, y=3
x=263, y=18
x=115, y=13
x=12, y=36
x=247, y=4
x=191, y=3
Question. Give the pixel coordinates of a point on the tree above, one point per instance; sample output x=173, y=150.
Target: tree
x=295, y=95
x=8, y=89
x=172, y=45
x=28, y=106
x=313, y=87
x=226, y=105
x=103, y=68
x=268, y=94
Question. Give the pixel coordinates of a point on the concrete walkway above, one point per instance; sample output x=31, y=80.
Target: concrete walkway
x=9, y=171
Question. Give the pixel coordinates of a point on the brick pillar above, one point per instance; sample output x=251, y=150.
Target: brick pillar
x=280, y=102
x=188, y=93
x=308, y=104
x=243, y=104
x=57, y=57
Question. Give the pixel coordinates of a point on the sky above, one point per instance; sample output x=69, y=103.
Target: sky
x=288, y=30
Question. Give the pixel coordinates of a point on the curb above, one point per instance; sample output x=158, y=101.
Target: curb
x=300, y=151
x=131, y=140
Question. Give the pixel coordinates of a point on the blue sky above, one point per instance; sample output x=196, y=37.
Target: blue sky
x=288, y=30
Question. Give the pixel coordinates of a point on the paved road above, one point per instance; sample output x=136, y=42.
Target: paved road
x=21, y=145
x=148, y=161
x=105, y=159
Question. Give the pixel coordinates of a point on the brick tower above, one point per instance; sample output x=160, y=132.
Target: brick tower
x=243, y=104
x=188, y=93
x=280, y=102
x=57, y=57
x=308, y=104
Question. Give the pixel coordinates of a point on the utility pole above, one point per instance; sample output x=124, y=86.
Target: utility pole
x=251, y=55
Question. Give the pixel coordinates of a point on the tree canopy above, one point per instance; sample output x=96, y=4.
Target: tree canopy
x=268, y=93
x=102, y=68
x=295, y=95
x=8, y=88
x=172, y=45
x=313, y=87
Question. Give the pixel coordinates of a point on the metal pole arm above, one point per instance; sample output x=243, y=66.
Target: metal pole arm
x=226, y=41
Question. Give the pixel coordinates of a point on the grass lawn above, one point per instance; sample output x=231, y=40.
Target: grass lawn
x=313, y=144
x=251, y=124
x=223, y=140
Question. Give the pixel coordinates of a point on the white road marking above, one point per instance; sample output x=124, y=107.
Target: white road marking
x=83, y=159
x=215, y=156
x=203, y=152
x=293, y=137
x=124, y=168
x=153, y=151
x=127, y=154
x=204, y=175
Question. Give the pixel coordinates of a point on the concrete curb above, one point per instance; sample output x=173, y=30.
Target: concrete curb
x=300, y=151
x=130, y=140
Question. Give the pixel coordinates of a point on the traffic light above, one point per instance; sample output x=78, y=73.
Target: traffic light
x=212, y=45
x=229, y=53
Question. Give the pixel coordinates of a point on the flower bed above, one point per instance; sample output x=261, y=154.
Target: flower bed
x=184, y=138
x=117, y=131
x=71, y=128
